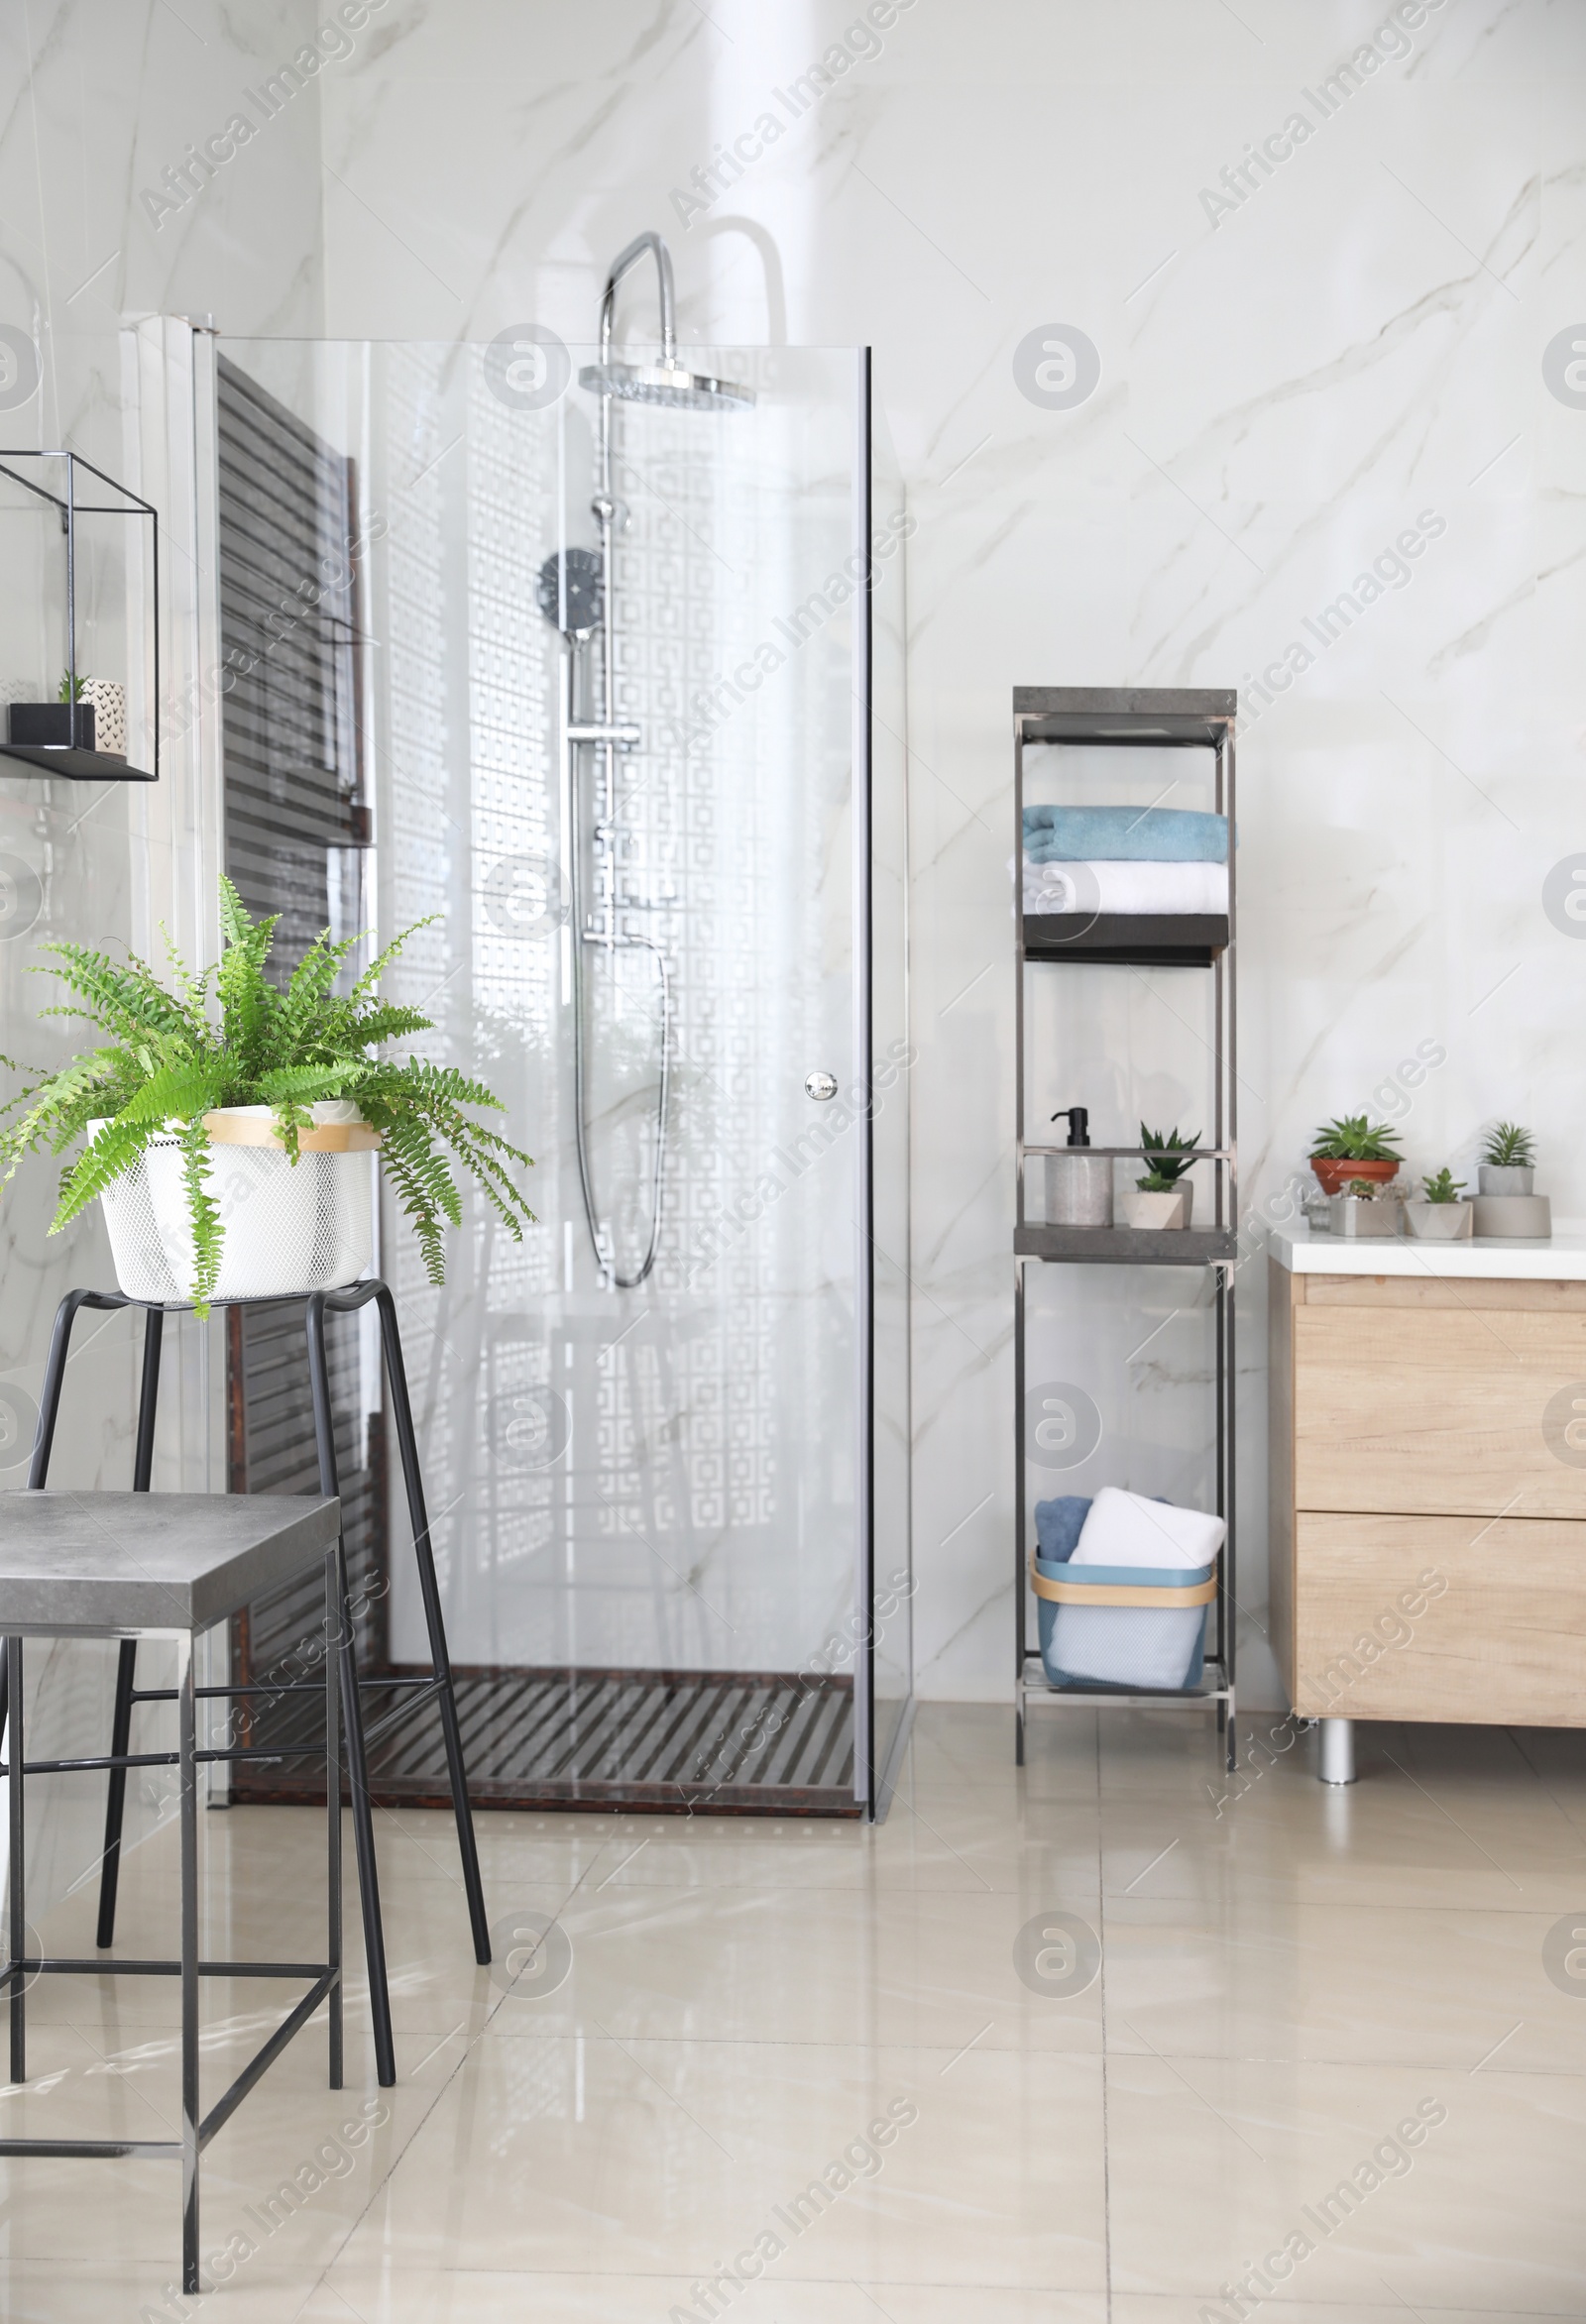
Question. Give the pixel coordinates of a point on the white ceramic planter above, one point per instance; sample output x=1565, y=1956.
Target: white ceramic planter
x=287, y=1228
x=1439, y=1222
x=1158, y=1211
x=1505, y=1179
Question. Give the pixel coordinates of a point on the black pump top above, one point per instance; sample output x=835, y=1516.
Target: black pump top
x=1078, y=1121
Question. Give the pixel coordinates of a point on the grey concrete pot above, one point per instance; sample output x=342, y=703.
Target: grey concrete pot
x=1515, y=1217
x=1355, y=1218
x=1440, y=1222
x=1503, y=1178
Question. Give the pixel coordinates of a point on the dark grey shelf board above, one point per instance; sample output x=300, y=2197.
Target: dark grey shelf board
x=1197, y=716
x=1130, y=1246
x=1127, y=939
x=76, y=766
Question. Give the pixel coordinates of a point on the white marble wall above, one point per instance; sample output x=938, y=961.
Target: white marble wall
x=1283, y=392
x=98, y=97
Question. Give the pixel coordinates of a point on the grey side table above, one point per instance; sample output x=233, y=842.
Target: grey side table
x=164, y=1565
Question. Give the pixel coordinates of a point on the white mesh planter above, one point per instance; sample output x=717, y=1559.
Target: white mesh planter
x=288, y=1229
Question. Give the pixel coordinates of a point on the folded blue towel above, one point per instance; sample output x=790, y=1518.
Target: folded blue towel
x=1124, y=834
x=1058, y=1525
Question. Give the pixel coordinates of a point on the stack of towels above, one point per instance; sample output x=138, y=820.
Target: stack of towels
x=1124, y=860
x=1138, y=1541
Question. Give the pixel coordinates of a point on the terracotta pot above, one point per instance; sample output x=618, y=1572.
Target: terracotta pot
x=1335, y=1176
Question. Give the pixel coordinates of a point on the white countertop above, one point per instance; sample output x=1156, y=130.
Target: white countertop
x=1560, y=1259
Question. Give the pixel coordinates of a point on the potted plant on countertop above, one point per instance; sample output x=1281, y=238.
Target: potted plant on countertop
x=1440, y=1216
x=1364, y=1207
x=1163, y=1197
x=1506, y=1205
x=229, y=1120
x=1507, y=1163
x=1354, y=1147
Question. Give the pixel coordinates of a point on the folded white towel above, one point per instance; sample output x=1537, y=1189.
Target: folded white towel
x=1123, y=1645
x=1127, y=1529
x=1125, y=887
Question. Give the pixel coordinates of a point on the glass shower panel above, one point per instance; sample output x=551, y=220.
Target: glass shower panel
x=645, y=1503
x=890, y=1592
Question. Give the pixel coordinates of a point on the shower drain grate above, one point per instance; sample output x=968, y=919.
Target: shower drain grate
x=736, y=1742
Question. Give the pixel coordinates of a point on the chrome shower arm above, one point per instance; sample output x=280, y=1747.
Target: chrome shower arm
x=623, y=264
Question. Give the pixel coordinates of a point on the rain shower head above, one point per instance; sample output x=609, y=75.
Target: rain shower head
x=570, y=591
x=665, y=382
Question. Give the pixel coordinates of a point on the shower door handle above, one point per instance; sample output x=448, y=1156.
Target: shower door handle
x=820, y=1086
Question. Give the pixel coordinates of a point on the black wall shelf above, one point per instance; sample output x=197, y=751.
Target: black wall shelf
x=68, y=759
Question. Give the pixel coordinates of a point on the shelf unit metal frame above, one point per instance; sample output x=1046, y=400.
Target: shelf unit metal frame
x=1121, y=718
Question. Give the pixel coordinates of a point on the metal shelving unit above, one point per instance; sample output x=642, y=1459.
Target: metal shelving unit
x=1127, y=718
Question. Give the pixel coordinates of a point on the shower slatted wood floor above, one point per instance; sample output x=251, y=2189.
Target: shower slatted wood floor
x=736, y=1742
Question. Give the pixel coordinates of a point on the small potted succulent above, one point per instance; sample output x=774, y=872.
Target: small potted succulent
x=1507, y=1163
x=1364, y=1207
x=1441, y=1215
x=1506, y=1205
x=1163, y=1197
x=230, y=1120
x=1354, y=1147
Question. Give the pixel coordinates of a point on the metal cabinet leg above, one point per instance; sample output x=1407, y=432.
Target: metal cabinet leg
x=353, y=1718
x=17, y=1881
x=1337, y=1750
x=467, y=1846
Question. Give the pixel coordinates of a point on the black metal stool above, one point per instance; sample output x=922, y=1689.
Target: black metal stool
x=416, y=1691
x=165, y=1565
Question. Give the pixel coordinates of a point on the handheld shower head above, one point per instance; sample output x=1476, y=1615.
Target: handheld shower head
x=665, y=382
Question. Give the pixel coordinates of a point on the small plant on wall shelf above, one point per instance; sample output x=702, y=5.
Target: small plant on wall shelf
x=1442, y=1186
x=1170, y=1157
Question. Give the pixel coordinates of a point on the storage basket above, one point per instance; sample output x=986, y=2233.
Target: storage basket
x=1129, y=1628
x=287, y=1228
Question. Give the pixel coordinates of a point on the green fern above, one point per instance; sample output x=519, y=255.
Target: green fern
x=229, y=1036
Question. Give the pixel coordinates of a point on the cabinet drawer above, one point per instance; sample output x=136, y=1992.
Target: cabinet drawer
x=1500, y=1634
x=1436, y=1410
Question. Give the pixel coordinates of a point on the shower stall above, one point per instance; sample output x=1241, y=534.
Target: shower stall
x=591, y=658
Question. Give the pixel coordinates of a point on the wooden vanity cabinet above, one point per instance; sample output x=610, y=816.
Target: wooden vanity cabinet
x=1428, y=1541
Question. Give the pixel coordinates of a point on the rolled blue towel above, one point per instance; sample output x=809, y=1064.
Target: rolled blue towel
x=1057, y=1526
x=1124, y=834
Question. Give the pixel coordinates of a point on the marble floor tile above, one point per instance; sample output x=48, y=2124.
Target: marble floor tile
x=660, y=2156
x=1283, y=1978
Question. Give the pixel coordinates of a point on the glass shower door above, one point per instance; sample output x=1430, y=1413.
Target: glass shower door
x=651, y=1506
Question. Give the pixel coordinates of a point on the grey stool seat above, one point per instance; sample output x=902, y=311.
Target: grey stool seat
x=164, y=1565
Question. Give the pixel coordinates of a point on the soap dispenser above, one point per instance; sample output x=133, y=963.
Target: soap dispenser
x=1079, y=1182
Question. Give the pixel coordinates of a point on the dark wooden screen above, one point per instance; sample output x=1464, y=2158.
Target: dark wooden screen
x=297, y=820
